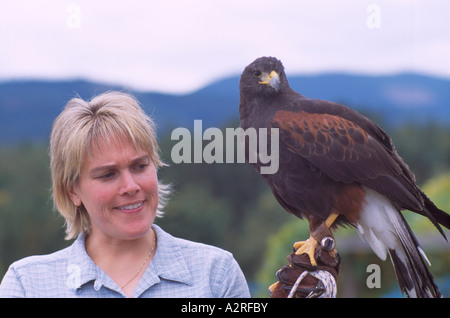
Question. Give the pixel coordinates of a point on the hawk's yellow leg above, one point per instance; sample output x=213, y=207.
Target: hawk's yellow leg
x=309, y=246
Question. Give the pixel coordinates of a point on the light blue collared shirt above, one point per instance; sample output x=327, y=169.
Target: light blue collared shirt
x=180, y=268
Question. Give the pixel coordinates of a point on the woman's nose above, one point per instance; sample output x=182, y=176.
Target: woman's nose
x=129, y=185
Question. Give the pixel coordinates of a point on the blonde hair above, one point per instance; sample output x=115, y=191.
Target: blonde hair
x=77, y=130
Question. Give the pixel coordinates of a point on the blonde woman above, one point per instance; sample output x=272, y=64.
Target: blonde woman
x=104, y=162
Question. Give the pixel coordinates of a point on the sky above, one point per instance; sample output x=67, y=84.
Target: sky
x=179, y=46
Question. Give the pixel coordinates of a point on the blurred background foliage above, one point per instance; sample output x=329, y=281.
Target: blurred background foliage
x=229, y=205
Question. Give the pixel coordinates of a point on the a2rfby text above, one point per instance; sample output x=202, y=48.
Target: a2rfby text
x=229, y=307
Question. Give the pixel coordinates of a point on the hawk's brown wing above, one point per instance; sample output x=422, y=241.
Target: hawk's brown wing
x=346, y=152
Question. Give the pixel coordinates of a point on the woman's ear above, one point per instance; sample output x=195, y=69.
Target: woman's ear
x=73, y=195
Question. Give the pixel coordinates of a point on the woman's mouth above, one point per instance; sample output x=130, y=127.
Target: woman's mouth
x=130, y=207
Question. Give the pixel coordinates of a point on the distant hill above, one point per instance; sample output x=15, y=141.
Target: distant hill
x=28, y=108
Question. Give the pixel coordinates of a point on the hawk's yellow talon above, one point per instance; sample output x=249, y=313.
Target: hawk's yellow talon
x=307, y=247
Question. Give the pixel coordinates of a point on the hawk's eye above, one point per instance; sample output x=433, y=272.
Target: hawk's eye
x=256, y=74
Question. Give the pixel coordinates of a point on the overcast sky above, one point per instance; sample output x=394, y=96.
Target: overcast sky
x=180, y=46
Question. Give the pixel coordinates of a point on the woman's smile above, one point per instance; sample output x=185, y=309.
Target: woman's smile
x=131, y=207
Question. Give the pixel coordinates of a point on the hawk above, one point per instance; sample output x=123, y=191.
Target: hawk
x=337, y=167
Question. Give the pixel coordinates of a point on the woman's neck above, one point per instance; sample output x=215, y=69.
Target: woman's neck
x=122, y=260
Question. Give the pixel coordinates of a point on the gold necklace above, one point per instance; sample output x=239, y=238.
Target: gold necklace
x=142, y=266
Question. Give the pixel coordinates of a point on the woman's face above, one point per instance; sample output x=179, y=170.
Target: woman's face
x=118, y=186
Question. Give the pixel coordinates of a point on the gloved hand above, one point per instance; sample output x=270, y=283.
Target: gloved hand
x=317, y=281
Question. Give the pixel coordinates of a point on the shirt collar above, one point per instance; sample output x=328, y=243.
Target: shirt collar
x=168, y=262
x=81, y=268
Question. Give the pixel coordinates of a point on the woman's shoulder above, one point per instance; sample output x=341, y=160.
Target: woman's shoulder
x=209, y=266
x=32, y=275
x=189, y=247
x=36, y=262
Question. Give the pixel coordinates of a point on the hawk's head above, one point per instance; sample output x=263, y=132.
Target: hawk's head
x=263, y=77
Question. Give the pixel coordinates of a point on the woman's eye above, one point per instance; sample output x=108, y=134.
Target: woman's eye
x=141, y=167
x=256, y=74
x=108, y=175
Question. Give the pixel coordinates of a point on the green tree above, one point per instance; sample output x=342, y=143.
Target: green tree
x=28, y=225
x=426, y=149
x=196, y=214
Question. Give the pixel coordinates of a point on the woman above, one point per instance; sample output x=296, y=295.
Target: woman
x=104, y=161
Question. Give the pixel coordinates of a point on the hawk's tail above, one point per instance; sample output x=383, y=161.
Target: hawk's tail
x=412, y=273
x=386, y=230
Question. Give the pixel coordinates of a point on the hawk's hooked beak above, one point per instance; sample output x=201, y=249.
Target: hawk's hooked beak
x=272, y=79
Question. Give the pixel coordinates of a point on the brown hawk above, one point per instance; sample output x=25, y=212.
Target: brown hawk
x=337, y=167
